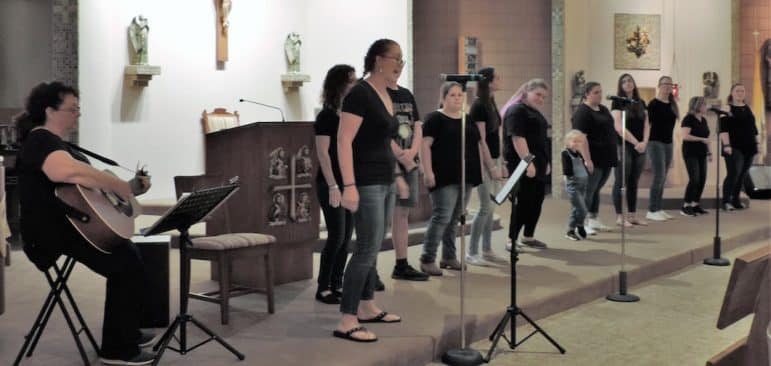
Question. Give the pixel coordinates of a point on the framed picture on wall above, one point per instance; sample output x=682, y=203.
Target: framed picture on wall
x=637, y=41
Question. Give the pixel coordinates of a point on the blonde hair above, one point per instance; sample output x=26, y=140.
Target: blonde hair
x=573, y=135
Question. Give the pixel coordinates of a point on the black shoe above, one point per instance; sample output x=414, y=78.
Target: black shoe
x=534, y=243
x=699, y=210
x=738, y=205
x=329, y=298
x=143, y=358
x=581, y=232
x=338, y=292
x=572, y=235
x=408, y=273
x=687, y=211
x=379, y=286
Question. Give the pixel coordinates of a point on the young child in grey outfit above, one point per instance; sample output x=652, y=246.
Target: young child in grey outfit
x=576, y=179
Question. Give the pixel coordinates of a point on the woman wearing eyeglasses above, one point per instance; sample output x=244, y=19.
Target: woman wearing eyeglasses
x=367, y=166
x=662, y=114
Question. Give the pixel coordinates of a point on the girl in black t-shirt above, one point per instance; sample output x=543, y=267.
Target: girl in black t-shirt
x=662, y=113
x=440, y=156
x=525, y=134
x=739, y=140
x=695, y=154
x=45, y=162
x=339, y=221
x=367, y=166
x=595, y=120
x=635, y=141
x=484, y=113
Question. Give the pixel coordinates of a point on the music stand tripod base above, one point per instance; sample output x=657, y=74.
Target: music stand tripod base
x=190, y=209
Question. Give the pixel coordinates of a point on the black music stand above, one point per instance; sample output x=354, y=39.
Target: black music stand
x=190, y=209
x=513, y=310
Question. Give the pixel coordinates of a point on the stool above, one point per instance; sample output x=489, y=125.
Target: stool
x=58, y=285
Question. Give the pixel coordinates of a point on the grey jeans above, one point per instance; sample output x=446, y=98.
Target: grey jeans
x=371, y=221
x=446, y=211
x=597, y=180
x=482, y=226
x=576, y=189
x=661, y=159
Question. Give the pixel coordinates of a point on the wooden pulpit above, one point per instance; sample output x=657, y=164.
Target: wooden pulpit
x=276, y=163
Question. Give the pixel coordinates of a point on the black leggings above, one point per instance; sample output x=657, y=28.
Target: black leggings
x=526, y=206
x=737, y=166
x=697, y=177
x=339, y=223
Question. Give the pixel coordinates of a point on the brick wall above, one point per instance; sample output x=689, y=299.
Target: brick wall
x=514, y=36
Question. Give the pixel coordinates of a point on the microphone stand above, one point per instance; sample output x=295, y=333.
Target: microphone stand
x=716, y=259
x=265, y=105
x=622, y=295
x=463, y=356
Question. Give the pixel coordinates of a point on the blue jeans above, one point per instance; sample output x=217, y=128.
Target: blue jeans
x=446, y=210
x=635, y=162
x=576, y=189
x=371, y=221
x=482, y=226
x=661, y=159
x=597, y=180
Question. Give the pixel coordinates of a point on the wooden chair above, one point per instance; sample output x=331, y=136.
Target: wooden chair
x=219, y=119
x=224, y=248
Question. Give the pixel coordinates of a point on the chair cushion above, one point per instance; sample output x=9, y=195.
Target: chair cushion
x=232, y=241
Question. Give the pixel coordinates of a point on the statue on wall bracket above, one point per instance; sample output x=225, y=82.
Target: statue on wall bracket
x=138, y=31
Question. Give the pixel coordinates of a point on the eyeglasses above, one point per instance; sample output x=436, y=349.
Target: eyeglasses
x=398, y=60
x=74, y=110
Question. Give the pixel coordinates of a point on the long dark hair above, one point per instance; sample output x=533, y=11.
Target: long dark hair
x=334, y=85
x=379, y=48
x=634, y=110
x=487, y=99
x=42, y=96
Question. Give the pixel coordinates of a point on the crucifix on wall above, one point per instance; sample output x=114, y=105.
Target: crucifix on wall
x=223, y=25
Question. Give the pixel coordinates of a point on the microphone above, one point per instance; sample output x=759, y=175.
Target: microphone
x=461, y=78
x=720, y=112
x=616, y=98
x=265, y=105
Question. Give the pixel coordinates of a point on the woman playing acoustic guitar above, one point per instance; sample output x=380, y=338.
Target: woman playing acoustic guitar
x=44, y=162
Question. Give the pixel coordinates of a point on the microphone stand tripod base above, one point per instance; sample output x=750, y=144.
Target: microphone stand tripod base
x=462, y=357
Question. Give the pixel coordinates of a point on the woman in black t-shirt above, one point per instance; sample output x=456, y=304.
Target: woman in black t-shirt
x=662, y=113
x=525, y=134
x=367, y=166
x=440, y=156
x=339, y=221
x=595, y=120
x=484, y=113
x=44, y=162
x=695, y=154
x=635, y=141
x=739, y=139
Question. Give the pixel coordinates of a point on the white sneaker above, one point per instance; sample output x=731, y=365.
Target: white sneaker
x=493, y=257
x=597, y=225
x=666, y=215
x=655, y=216
x=590, y=230
x=476, y=260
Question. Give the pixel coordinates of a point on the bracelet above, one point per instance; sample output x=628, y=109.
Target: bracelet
x=349, y=185
x=725, y=146
x=334, y=186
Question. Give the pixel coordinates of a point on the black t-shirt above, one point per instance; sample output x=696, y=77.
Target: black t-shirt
x=635, y=118
x=43, y=223
x=406, y=112
x=524, y=121
x=488, y=112
x=445, y=149
x=662, y=119
x=327, y=123
x=600, y=132
x=699, y=128
x=373, y=160
x=741, y=129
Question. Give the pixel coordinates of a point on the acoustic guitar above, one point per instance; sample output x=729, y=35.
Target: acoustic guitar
x=102, y=217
